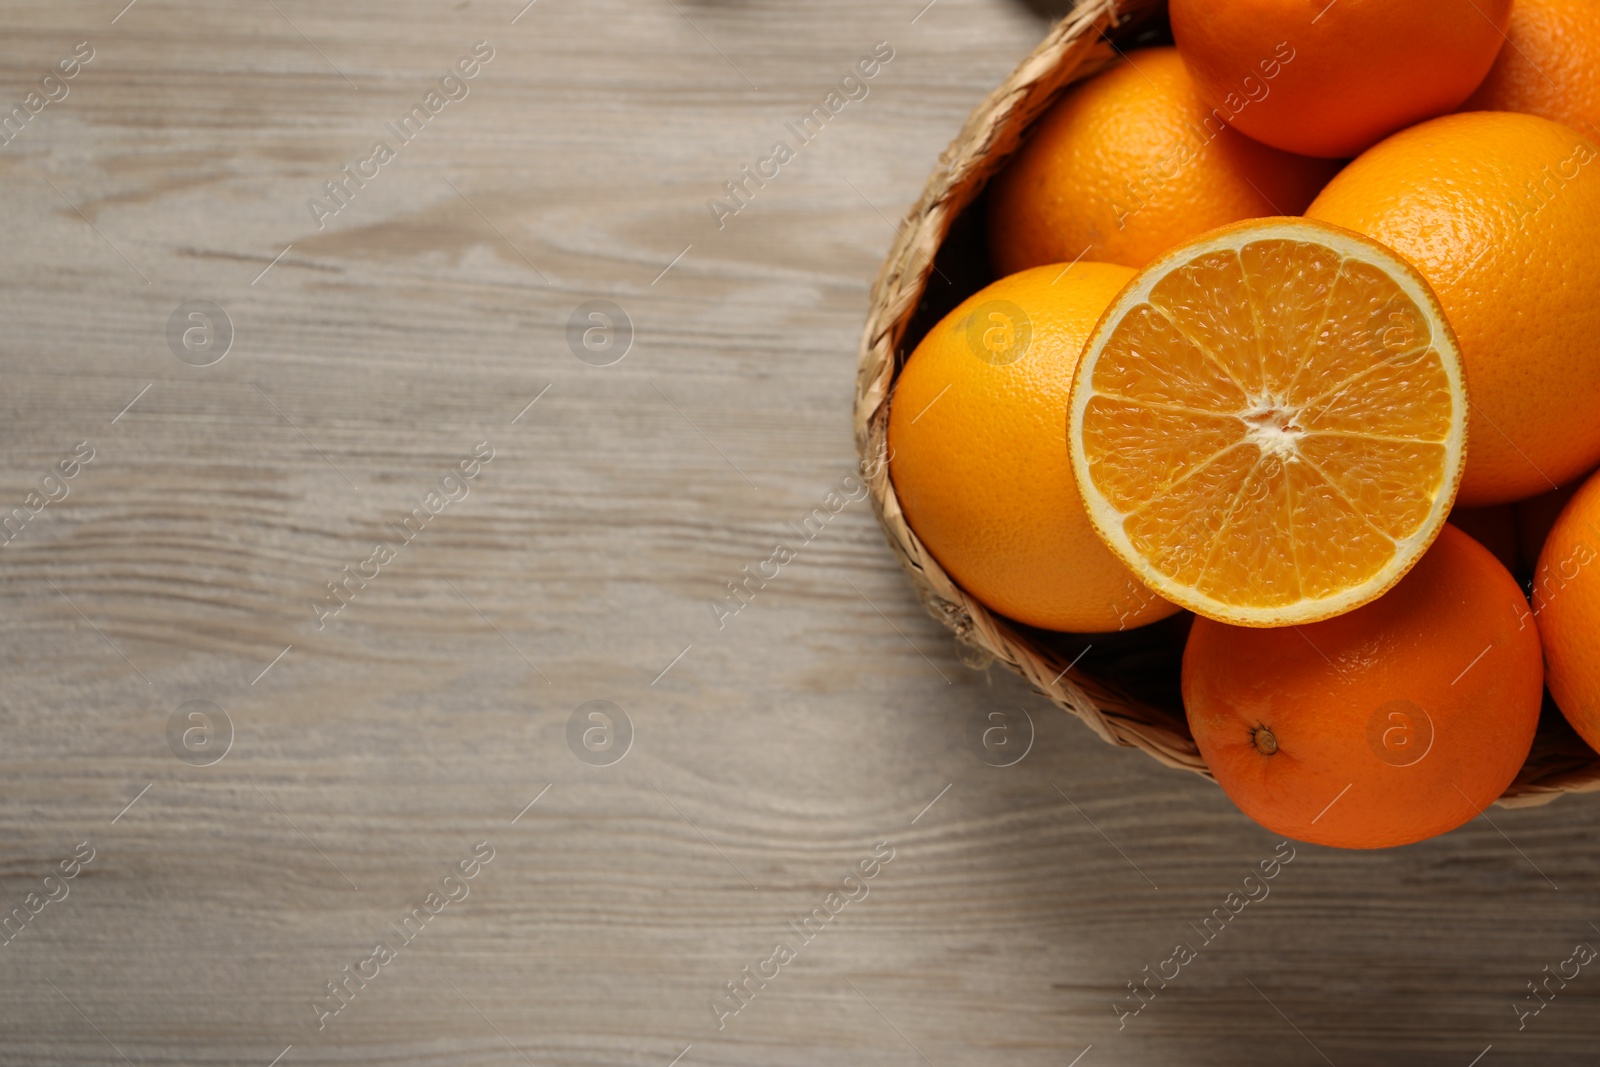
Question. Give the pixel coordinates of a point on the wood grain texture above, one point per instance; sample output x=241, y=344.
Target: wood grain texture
x=770, y=758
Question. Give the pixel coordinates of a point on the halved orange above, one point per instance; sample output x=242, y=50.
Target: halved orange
x=1269, y=423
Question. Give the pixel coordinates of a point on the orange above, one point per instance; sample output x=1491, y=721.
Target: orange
x=1130, y=163
x=978, y=453
x=1268, y=424
x=1566, y=602
x=1331, y=77
x=1550, y=65
x=1501, y=213
x=1396, y=722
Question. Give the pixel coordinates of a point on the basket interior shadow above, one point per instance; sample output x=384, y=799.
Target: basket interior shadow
x=1125, y=686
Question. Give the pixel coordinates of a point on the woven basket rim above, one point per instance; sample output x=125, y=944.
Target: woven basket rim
x=1076, y=47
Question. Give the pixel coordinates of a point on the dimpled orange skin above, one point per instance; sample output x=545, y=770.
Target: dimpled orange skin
x=1318, y=688
x=1551, y=65
x=1516, y=272
x=1124, y=168
x=978, y=456
x=1566, y=600
x=1330, y=79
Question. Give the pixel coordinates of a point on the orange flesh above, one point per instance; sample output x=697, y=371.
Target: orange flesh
x=1271, y=423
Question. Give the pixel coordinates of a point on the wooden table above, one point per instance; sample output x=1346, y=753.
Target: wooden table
x=343, y=763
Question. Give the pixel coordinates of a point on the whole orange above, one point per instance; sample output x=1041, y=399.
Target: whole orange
x=1129, y=164
x=978, y=453
x=1396, y=722
x=1566, y=601
x=1330, y=78
x=1550, y=65
x=1501, y=213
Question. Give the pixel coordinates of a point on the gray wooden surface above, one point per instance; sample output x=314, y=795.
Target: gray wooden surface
x=769, y=756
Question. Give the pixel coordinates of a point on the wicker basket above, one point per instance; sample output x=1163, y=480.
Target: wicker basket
x=1124, y=686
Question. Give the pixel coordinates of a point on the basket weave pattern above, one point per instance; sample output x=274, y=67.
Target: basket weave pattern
x=1076, y=48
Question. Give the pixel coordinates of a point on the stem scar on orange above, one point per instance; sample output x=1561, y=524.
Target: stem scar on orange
x=1396, y=722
